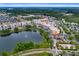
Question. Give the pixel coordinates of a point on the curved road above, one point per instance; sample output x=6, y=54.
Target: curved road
x=33, y=51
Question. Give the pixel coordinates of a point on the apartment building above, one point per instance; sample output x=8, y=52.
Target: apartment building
x=14, y=25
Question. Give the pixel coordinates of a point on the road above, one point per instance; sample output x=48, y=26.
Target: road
x=54, y=49
x=33, y=51
x=62, y=30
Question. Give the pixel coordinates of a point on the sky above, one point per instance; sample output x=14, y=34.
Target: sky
x=39, y=4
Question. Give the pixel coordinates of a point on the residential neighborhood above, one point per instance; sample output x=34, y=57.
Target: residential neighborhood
x=39, y=31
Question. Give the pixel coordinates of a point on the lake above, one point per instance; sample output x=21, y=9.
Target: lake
x=7, y=43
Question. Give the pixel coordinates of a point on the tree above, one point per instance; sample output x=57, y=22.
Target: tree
x=71, y=37
x=71, y=47
x=5, y=32
x=24, y=46
x=28, y=28
x=77, y=46
x=73, y=42
x=51, y=43
x=16, y=30
x=5, y=53
x=77, y=36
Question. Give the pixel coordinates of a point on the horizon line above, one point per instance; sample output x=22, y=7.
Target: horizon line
x=39, y=4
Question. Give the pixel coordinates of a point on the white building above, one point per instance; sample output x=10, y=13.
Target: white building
x=0, y=27
x=14, y=25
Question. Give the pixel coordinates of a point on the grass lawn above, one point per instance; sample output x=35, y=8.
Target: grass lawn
x=41, y=54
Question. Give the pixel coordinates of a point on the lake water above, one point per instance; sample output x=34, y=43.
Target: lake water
x=9, y=42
